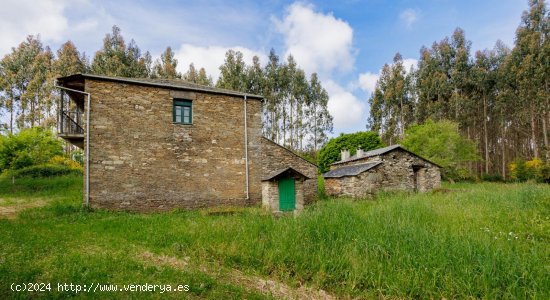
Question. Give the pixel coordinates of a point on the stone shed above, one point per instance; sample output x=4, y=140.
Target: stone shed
x=283, y=190
x=385, y=169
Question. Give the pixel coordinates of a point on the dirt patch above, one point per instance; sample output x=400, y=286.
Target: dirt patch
x=265, y=286
x=15, y=206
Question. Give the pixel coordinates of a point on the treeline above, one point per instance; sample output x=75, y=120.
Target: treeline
x=499, y=97
x=295, y=112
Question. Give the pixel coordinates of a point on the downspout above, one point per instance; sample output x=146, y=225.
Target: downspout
x=87, y=173
x=246, y=148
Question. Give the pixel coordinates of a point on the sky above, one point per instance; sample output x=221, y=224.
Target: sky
x=346, y=42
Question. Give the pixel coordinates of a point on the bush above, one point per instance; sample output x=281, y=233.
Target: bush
x=492, y=177
x=330, y=153
x=46, y=170
x=64, y=161
x=534, y=169
x=442, y=143
x=33, y=146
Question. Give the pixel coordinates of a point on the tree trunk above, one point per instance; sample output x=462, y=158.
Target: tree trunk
x=533, y=133
x=503, y=145
x=545, y=136
x=485, y=133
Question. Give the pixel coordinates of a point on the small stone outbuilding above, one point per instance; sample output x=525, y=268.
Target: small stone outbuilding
x=386, y=169
x=283, y=190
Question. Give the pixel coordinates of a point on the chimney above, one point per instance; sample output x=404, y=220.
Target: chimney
x=360, y=152
x=345, y=154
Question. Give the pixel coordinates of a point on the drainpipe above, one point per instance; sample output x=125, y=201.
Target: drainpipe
x=246, y=148
x=87, y=173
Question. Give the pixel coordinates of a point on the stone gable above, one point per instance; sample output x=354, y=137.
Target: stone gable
x=275, y=157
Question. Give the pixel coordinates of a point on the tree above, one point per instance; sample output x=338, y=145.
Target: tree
x=330, y=153
x=233, y=72
x=24, y=81
x=441, y=143
x=319, y=118
x=28, y=147
x=69, y=61
x=165, y=67
x=117, y=59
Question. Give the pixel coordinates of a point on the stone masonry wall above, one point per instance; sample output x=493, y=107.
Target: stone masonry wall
x=276, y=157
x=141, y=160
x=395, y=173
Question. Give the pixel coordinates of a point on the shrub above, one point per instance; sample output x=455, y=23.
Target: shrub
x=366, y=140
x=28, y=147
x=492, y=177
x=534, y=169
x=45, y=170
x=64, y=161
x=442, y=143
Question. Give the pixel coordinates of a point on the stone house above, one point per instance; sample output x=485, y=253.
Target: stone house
x=389, y=168
x=156, y=144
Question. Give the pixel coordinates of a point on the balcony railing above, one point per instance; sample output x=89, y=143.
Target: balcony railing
x=70, y=123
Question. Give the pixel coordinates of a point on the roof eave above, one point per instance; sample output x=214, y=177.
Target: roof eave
x=158, y=84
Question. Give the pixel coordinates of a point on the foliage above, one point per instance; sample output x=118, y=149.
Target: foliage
x=65, y=161
x=295, y=110
x=492, y=178
x=499, y=97
x=117, y=59
x=46, y=170
x=165, y=67
x=534, y=169
x=487, y=241
x=330, y=153
x=441, y=143
x=28, y=147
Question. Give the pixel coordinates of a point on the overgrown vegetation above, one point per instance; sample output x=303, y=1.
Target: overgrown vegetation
x=465, y=241
x=442, y=143
x=331, y=152
x=35, y=152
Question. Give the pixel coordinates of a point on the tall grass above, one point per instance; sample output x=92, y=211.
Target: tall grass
x=473, y=241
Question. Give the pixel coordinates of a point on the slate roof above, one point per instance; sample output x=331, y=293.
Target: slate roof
x=169, y=83
x=352, y=170
x=381, y=151
x=281, y=171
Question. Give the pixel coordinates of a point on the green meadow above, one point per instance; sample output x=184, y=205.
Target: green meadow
x=476, y=240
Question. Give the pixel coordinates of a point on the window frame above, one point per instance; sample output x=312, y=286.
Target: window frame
x=178, y=102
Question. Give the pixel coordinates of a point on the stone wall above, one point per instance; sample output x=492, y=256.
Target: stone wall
x=141, y=160
x=276, y=157
x=395, y=173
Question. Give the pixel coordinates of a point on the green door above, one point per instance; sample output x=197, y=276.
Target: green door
x=287, y=200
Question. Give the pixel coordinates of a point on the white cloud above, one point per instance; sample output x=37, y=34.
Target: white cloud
x=344, y=107
x=21, y=18
x=211, y=57
x=319, y=42
x=408, y=63
x=409, y=16
x=367, y=81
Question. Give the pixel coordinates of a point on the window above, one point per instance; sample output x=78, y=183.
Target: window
x=183, y=113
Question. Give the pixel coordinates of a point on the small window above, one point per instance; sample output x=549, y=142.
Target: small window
x=183, y=112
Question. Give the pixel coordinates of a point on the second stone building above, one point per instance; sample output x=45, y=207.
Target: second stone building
x=385, y=169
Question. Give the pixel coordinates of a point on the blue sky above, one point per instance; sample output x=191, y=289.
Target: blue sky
x=347, y=42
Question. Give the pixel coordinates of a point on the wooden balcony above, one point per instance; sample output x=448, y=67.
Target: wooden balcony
x=70, y=122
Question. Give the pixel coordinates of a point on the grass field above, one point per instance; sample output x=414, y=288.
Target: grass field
x=465, y=241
